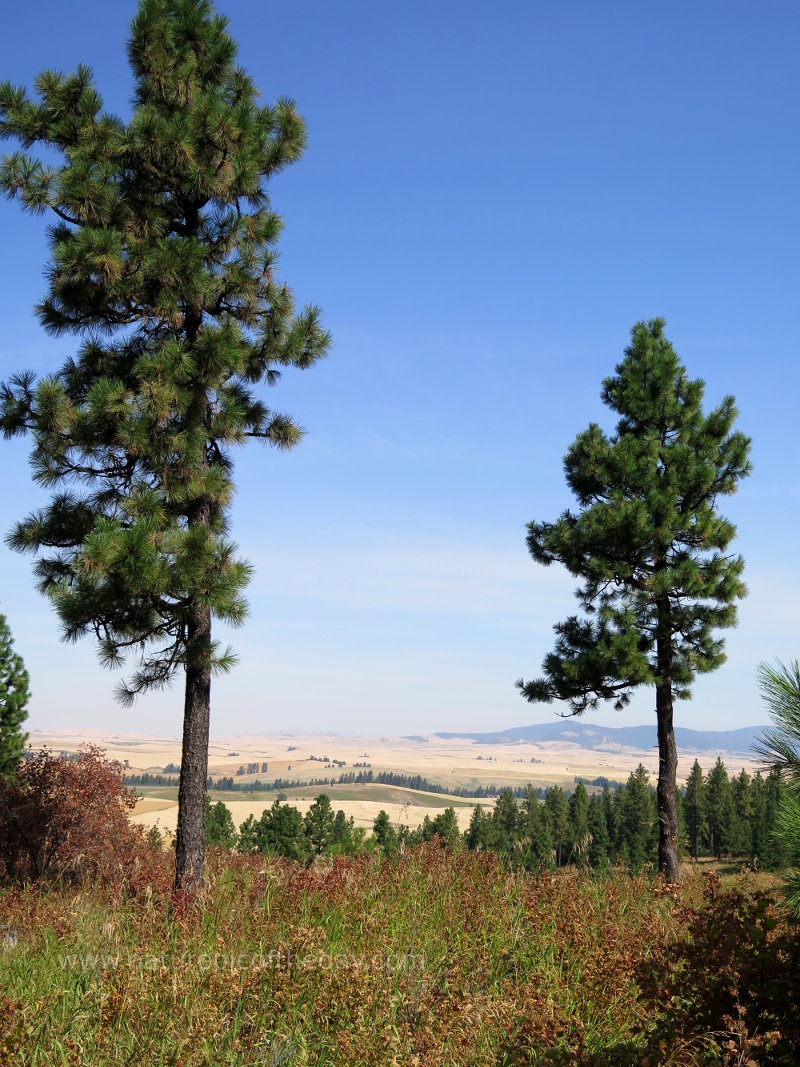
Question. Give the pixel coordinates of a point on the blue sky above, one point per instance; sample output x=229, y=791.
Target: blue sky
x=490, y=199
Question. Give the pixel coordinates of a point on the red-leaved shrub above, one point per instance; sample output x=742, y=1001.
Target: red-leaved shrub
x=729, y=992
x=66, y=819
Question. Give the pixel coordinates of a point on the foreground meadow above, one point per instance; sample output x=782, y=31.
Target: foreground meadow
x=429, y=957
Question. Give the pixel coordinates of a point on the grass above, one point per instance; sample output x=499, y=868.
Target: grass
x=372, y=791
x=384, y=794
x=155, y=792
x=429, y=958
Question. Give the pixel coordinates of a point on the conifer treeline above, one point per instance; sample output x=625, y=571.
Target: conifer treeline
x=718, y=815
x=283, y=831
x=226, y=783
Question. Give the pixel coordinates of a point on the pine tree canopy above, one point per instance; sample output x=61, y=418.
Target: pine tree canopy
x=646, y=541
x=163, y=261
x=780, y=745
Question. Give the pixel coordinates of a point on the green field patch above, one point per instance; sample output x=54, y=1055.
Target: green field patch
x=156, y=792
x=374, y=792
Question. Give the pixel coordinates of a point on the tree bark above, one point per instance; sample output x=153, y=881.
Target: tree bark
x=667, y=751
x=667, y=774
x=190, y=840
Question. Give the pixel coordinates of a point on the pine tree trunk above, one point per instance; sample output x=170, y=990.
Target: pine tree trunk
x=667, y=775
x=190, y=841
x=667, y=751
x=697, y=834
x=697, y=824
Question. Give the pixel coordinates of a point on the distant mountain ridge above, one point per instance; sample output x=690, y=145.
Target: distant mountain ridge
x=590, y=736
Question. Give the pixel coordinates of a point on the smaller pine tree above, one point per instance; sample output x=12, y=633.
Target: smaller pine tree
x=599, y=854
x=610, y=813
x=759, y=828
x=535, y=830
x=579, y=824
x=479, y=832
x=637, y=818
x=742, y=813
x=281, y=831
x=720, y=809
x=219, y=825
x=694, y=807
x=319, y=823
x=383, y=832
x=556, y=805
x=14, y=697
x=505, y=822
x=342, y=833
x=248, y=837
x=445, y=827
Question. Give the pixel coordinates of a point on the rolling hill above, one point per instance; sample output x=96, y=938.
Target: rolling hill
x=612, y=738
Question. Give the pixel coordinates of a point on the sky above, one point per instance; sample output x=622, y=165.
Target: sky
x=491, y=197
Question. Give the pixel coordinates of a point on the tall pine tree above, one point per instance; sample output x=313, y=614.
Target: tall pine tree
x=650, y=548
x=162, y=259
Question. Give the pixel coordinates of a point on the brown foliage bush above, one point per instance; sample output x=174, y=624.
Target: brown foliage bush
x=729, y=992
x=66, y=819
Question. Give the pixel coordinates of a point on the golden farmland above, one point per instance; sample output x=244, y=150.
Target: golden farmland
x=451, y=763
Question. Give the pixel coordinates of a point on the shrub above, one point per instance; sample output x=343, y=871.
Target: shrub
x=729, y=993
x=66, y=819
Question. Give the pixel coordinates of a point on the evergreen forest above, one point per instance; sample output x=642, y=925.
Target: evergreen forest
x=731, y=818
